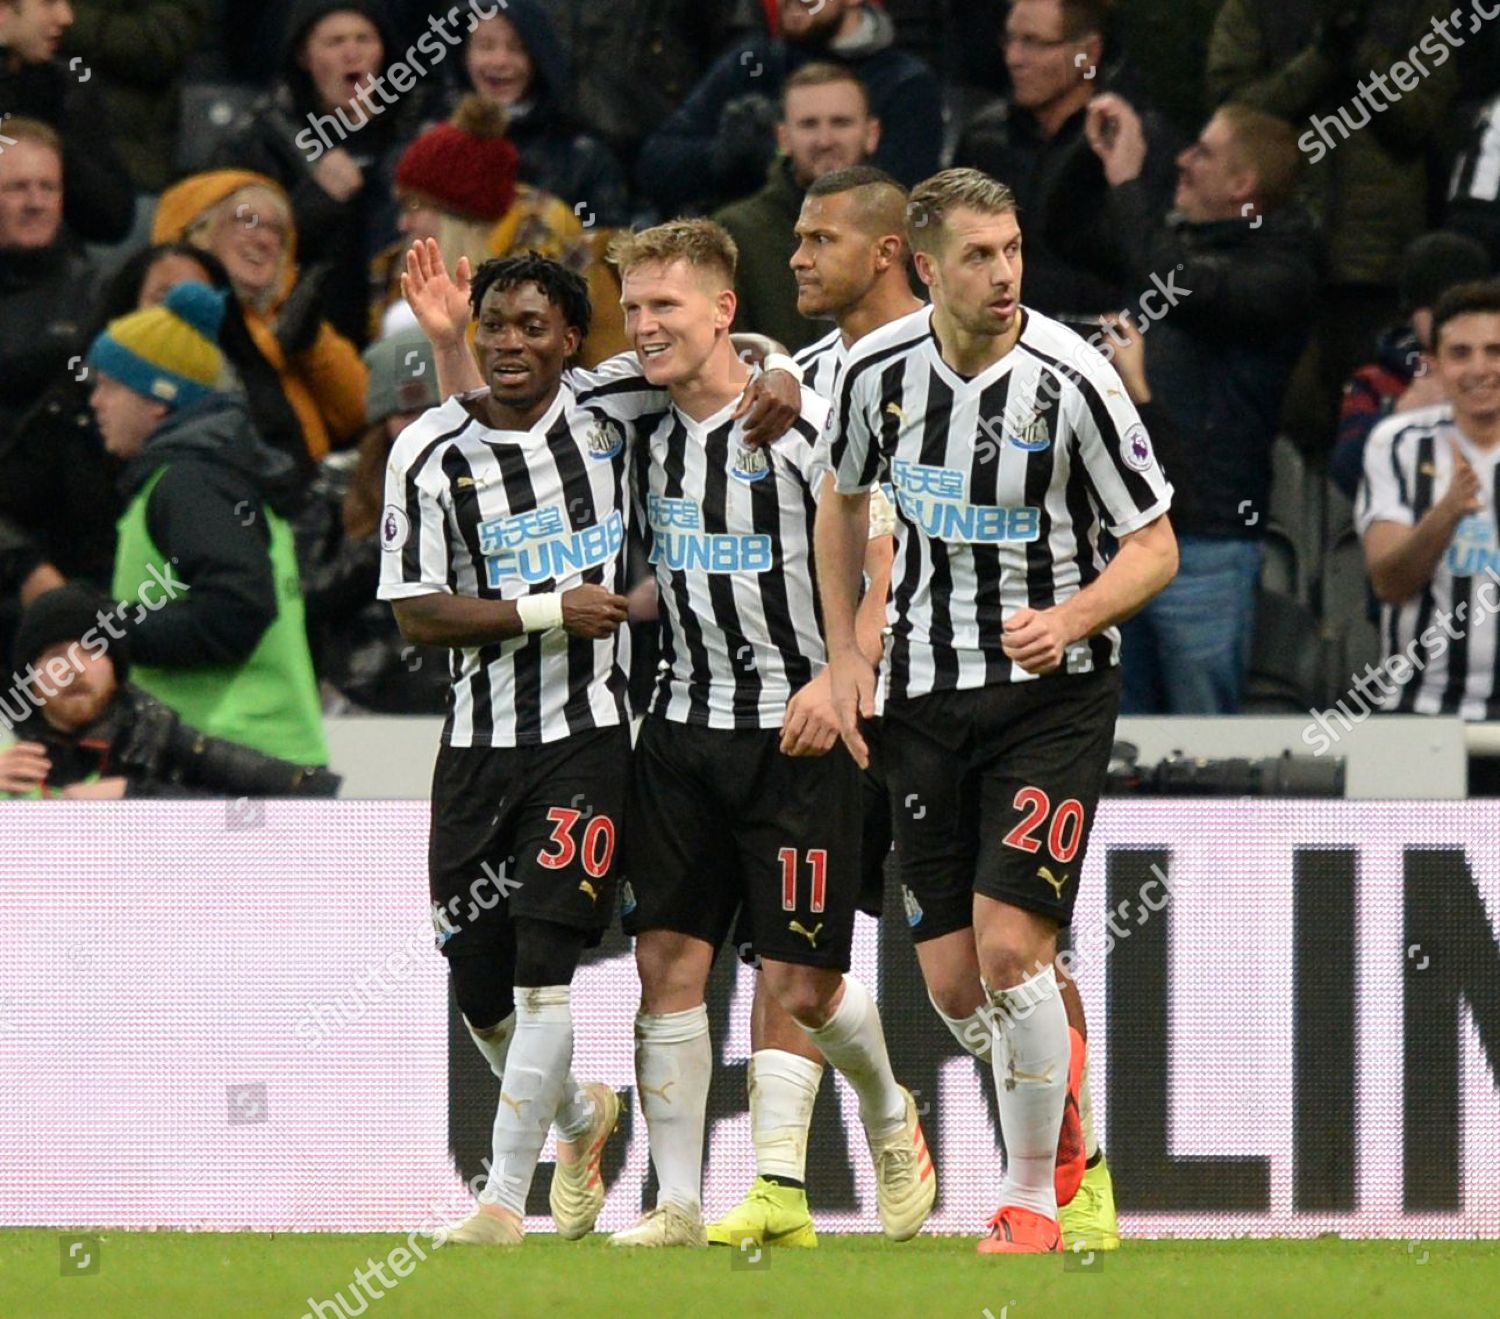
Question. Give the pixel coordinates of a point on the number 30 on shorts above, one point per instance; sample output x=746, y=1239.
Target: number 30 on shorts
x=1064, y=834
x=596, y=850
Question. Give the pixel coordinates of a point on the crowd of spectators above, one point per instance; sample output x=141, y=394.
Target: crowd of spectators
x=1260, y=206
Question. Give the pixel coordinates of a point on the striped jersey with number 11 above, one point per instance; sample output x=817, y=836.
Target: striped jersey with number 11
x=1005, y=484
x=502, y=514
x=729, y=531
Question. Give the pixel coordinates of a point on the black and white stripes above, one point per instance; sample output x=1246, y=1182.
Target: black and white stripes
x=502, y=514
x=1004, y=485
x=1441, y=650
x=729, y=531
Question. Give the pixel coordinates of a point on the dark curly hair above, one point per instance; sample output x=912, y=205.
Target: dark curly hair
x=565, y=290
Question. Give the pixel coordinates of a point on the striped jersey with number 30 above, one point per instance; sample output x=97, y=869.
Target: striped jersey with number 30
x=497, y=515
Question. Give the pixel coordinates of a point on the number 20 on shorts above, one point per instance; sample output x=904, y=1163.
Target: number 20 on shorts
x=1064, y=834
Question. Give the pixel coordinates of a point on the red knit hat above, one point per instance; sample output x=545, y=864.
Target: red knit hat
x=467, y=165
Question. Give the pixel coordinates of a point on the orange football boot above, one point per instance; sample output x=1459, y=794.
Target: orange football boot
x=1072, y=1161
x=1017, y=1231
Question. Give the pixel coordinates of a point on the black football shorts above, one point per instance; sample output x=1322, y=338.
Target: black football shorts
x=720, y=820
x=530, y=831
x=993, y=790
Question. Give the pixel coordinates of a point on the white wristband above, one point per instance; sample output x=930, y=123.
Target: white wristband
x=781, y=362
x=540, y=613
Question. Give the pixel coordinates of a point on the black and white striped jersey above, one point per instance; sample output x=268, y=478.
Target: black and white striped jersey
x=729, y=530
x=1476, y=169
x=822, y=365
x=1004, y=485
x=822, y=361
x=1440, y=647
x=503, y=514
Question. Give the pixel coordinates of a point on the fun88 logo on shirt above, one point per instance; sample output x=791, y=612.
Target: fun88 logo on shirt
x=539, y=545
x=680, y=543
x=935, y=498
x=1474, y=548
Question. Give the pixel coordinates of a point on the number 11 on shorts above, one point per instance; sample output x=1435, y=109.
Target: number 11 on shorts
x=817, y=862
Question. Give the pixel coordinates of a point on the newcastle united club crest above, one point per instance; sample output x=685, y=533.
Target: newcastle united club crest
x=605, y=439
x=750, y=464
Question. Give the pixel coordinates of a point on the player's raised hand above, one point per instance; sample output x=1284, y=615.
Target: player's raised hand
x=811, y=724
x=771, y=403
x=23, y=767
x=1463, y=495
x=851, y=679
x=439, y=301
x=592, y=612
x=1036, y=639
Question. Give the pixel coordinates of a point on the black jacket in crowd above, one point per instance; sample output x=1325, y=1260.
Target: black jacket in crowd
x=98, y=196
x=556, y=155
x=46, y=295
x=642, y=57
x=19, y=558
x=1220, y=360
x=143, y=741
x=59, y=483
x=1005, y=142
x=345, y=235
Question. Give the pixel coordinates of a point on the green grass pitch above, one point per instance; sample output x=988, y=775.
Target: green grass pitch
x=162, y=1275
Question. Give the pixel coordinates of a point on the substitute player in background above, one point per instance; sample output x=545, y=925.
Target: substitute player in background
x=719, y=816
x=850, y=264
x=504, y=524
x=1012, y=449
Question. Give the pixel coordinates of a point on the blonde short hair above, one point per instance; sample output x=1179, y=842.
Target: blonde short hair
x=21, y=129
x=703, y=244
x=934, y=199
x=200, y=234
x=1267, y=146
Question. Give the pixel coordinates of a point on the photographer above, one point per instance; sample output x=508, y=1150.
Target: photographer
x=98, y=736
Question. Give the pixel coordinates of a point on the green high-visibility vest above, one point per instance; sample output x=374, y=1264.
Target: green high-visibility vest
x=268, y=701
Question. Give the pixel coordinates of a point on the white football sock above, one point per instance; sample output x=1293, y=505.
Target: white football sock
x=574, y=1114
x=1086, y=1112
x=1030, y=1064
x=494, y=1043
x=783, y=1088
x=673, y=1063
x=530, y=1092
x=854, y=1043
x=974, y=1033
